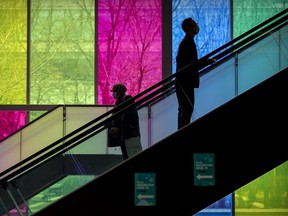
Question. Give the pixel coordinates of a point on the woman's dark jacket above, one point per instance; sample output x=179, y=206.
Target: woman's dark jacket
x=128, y=122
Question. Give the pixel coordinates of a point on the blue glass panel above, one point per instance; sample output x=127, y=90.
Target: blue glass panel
x=223, y=207
x=213, y=18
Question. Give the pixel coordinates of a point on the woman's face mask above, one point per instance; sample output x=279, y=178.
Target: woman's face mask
x=195, y=27
x=115, y=95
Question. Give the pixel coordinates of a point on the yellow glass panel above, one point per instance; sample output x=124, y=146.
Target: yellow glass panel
x=13, y=51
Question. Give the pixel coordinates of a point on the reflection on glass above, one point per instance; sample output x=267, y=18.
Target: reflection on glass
x=56, y=191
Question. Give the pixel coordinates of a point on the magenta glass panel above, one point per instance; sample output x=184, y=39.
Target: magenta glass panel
x=129, y=46
x=10, y=122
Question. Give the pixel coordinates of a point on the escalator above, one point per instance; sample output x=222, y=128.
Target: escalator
x=237, y=132
x=247, y=116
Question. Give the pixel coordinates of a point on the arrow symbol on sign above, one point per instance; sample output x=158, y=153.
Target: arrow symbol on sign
x=204, y=177
x=140, y=196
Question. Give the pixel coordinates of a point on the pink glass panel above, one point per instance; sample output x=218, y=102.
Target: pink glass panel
x=10, y=122
x=129, y=46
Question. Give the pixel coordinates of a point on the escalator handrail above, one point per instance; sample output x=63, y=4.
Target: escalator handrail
x=153, y=91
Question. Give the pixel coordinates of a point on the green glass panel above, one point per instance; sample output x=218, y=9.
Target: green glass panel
x=35, y=114
x=249, y=13
x=62, y=52
x=57, y=191
x=266, y=195
x=13, y=47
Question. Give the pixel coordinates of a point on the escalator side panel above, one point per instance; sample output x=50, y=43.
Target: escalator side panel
x=246, y=135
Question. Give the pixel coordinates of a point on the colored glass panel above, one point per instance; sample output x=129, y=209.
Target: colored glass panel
x=266, y=195
x=249, y=13
x=62, y=52
x=62, y=59
x=57, y=191
x=213, y=18
x=10, y=122
x=13, y=49
x=129, y=46
x=13, y=54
